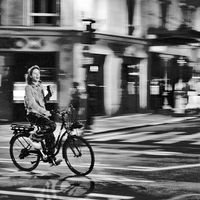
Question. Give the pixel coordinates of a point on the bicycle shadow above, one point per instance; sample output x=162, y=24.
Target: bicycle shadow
x=78, y=186
x=47, y=185
x=69, y=186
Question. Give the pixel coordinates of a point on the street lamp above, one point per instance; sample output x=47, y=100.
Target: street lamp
x=88, y=36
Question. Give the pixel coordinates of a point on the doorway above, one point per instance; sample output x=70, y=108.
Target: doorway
x=6, y=87
x=95, y=85
x=129, y=85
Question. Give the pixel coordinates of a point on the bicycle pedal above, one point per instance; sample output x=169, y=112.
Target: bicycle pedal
x=58, y=161
x=45, y=159
x=55, y=162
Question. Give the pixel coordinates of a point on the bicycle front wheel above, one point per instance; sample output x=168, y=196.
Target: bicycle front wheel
x=78, y=155
x=22, y=153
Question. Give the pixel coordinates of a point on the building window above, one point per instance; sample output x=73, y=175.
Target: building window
x=188, y=14
x=45, y=12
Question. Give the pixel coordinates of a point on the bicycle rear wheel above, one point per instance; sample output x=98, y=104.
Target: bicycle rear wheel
x=22, y=153
x=78, y=155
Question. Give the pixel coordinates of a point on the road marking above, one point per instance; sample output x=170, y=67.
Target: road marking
x=152, y=137
x=45, y=196
x=180, y=138
x=90, y=194
x=183, y=196
x=119, y=136
x=162, y=153
x=32, y=189
x=120, y=117
x=136, y=152
x=105, y=177
x=108, y=196
x=104, y=135
x=150, y=169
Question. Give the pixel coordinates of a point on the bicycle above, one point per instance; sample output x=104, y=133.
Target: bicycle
x=76, y=151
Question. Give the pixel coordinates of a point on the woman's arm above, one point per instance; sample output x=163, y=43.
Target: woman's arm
x=48, y=96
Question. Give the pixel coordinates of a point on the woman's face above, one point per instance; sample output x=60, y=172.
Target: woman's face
x=35, y=75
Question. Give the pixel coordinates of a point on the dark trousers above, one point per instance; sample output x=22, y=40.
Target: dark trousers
x=46, y=126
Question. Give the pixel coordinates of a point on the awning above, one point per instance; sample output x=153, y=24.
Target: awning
x=182, y=36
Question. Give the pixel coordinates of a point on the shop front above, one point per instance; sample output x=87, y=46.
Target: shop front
x=14, y=66
x=169, y=75
x=116, y=71
x=18, y=54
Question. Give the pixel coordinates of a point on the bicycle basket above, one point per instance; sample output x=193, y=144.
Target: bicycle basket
x=73, y=120
x=70, y=116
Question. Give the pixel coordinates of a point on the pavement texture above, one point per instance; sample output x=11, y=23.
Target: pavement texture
x=134, y=121
x=109, y=124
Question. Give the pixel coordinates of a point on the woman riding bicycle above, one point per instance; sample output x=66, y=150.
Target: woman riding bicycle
x=37, y=114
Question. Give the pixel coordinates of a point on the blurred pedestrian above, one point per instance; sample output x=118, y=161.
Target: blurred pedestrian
x=35, y=100
x=161, y=93
x=186, y=89
x=91, y=104
x=75, y=96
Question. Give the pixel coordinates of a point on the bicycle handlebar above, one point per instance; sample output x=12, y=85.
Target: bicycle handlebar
x=63, y=112
x=59, y=113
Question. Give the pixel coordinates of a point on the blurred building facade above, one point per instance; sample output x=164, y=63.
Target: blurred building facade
x=137, y=44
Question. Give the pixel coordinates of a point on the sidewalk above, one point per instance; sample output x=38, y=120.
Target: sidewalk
x=106, y=124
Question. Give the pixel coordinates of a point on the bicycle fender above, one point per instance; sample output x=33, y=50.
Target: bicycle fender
x=14, y=136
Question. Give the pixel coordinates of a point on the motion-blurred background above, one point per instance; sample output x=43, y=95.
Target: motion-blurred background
x=125, y=56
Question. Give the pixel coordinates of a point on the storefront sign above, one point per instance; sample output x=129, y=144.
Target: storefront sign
x=94, y=68
x=154, y=86
x=35, y=43
x=87, y=61
x=12, y=43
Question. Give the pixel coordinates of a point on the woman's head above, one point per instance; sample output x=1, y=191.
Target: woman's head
x=33, y=74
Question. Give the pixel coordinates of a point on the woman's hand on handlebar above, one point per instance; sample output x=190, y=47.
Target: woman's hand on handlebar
x=47, y=114
x=57, y=112
x=60, y=113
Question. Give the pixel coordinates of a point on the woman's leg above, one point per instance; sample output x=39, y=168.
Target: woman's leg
x=47, y=127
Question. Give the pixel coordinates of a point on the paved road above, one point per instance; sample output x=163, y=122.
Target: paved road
x=185, y=133
x=143, y=163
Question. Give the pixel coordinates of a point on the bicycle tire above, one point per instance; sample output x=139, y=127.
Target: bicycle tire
x=78, y=155
x=22, y=153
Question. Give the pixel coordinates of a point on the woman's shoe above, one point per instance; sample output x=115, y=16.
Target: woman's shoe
x=55, y=162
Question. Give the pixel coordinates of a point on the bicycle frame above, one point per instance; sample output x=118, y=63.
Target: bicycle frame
x=61, y=134
x=58, y=142
x=68, y=129
x=75, y=149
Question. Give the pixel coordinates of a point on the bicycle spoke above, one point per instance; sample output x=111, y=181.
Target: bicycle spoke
x=79, y=155
x=22, y=154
